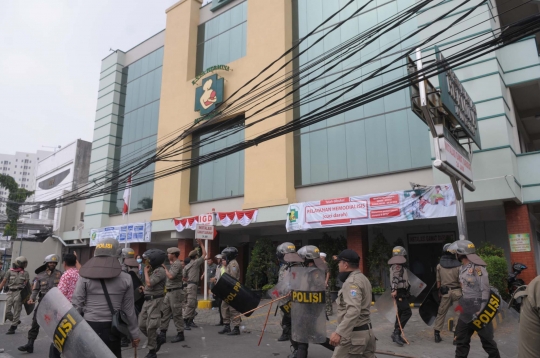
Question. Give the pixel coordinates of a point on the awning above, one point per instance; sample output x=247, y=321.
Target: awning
x=242, y=217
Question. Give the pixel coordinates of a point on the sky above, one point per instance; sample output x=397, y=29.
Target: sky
x=50, y=58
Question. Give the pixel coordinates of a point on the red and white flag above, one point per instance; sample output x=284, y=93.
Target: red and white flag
x=127, y=196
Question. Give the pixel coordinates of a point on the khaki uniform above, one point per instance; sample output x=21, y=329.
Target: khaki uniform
x=42, y=284
x=329, y=309
x=174, y=298
x=192, y=272
x=448, y=277
x=529, y=322
x=353, y=317
x=232, y=269
x=150, y=316
x=15, y=282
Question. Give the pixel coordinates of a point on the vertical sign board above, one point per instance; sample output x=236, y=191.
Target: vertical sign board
x=453, y=154
x=458, y=102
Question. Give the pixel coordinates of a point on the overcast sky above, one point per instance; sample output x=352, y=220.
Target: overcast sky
x=50, y=57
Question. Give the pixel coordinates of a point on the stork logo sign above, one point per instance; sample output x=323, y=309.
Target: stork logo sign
x=209, y=94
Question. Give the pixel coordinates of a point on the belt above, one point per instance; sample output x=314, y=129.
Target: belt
x=15, y=289
x=454, y=288
x=364, y=327
x=195, y=283
x=174, y=289
x=154, y=297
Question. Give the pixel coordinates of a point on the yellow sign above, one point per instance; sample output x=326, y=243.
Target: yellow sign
x=308, y=297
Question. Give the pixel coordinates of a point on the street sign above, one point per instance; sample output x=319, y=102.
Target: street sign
x=206, y=219
x=453, y=154
x=204, y=232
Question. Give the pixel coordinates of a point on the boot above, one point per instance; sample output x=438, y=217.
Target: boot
x=11, y=330
x=28, y=347
x=124, y=342
x=396, y=338
x=235, y=331
x=160, y=340
x=179, y=337
x=186, y=325
x=192, y=324
x=438, y=338
x=226, y=329
x=151, y=354
x=293, y=354
x=285, y=335
x=302, y=351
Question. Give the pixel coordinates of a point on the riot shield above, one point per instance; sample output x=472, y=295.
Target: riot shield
x=385, y=305
x=68, y=331
x=235, y=294
x=138, y=296
x=25, y=296
x=429, y=309
x=282, y=288
x=308, y=305
x=416, y=284
x=478, y=312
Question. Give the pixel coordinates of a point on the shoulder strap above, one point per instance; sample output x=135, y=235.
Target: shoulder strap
x=107, y=296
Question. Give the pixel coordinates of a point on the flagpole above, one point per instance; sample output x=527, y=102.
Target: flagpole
x=129, y=207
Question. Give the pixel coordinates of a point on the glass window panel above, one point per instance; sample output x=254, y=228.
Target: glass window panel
x=329, y=8
x=135, y=94
x=420, y=146
x=145, y=65
x=159, y=57
x=235, y=47
x=302, y=23
x=316, y=104
x=142, y=91
x=148, y=121
x=319, y=156
x=305, y=154
x=314, y=15
x=236, y=15
x=140, y=124
x=244, y=38
x=244, y=11
x=135, y=70
x=152, y=60
x=376, y=144
x=394, y=101
x=157, y=83
x=200, y=58
x=149, y=96
x=397, y=130
x=200, y=33
x=155, y=117
x=212, y=29
x=337, y=153
x=223, y=47
x=129, y=97
x=356, y=149
x=224, y=21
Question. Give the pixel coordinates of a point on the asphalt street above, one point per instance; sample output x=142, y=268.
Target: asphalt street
x=205, y=342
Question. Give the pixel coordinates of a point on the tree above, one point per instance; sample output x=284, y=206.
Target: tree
x=16, y=197
x=262, y=268
x=331, y=247
x=378, y=257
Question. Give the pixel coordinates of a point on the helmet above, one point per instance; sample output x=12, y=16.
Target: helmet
x=107, y=248
x=20, y=262
x=398, y=256
x=285, y=248
x=517, y=266
x=229, y=253
x=218, y=257
x=51, y=258
x=466, y=248
x=445, y=247
x=127, y=253
x=309, y=252
x=155, y=257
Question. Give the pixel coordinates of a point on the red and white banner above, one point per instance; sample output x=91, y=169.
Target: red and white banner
x=429, y=202
x=127, y=197
x=242, y=217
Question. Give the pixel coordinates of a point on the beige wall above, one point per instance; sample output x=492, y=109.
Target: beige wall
x=269, y=171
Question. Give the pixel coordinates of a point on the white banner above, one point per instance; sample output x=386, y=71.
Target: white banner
x=432, y=202
x=137, y=232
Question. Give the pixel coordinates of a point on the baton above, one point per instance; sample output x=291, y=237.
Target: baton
x=135, y=348
x=266, y=304
x=265, y=322
x=327, y=345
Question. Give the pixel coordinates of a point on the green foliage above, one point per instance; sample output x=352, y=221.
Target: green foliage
x=331, y=247
x=262, y=268
x=378, y=257
x=497, y=269
x=488, y=249
x=16, y=196
x=378, y=290
x=267, y=287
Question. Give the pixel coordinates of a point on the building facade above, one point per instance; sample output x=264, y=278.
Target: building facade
x=153, y=92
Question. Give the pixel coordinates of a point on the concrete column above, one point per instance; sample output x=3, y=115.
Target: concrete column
x=518, y=222
x=357, y=240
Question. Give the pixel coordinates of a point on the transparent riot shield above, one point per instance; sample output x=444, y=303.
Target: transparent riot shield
x=416, y=284
x=478, y=312
x=68, y=331
x=282, y=288
x=308, y=305
x=429, y=310
x=385, y=306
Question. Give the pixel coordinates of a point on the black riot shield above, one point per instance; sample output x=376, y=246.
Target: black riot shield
x=235, y=294
x=430, y=306
x=138, y=296
x=308, y=305
x=25, y=296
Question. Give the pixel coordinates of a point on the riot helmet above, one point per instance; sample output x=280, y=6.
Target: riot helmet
x=445, y=247
x=398, y=256
x=154, y=258
x=20, y=262
x=105, y=262
x=230, y=253
x=286, y=252
x=310, y=254
x=127, y=254
x=51, y=258
x=466, y=248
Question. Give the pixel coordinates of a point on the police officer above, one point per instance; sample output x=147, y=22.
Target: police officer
x=287, y=256
x=15, y=279
x=353, y=304
x=89, y=297
x=192, y=273
x=476, y=292
x=172, y=304
x=449, y=287
x=232, y=269
x=47, y=277
x=154, y=286
x=220, y=269
x=399, y=282
x=529, y=321
x=131, y=266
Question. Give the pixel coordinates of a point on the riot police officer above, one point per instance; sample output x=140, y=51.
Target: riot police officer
x=192, y=273
x=476, y=292
x=101, y=273
x=449, y=287
x=287, y=256
x=399, y=282
x=15, y=279
x=47, y=277
x=150, y=316
x=131, y=267
x=172, y=303
x=353, y=334
x=230, y=314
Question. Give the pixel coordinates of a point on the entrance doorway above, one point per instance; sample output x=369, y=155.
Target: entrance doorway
x=423, y=260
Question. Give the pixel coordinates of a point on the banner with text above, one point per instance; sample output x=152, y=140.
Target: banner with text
x=429, y=202
x=137, y=232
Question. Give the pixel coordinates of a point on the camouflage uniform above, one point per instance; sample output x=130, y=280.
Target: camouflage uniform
x=150, y=316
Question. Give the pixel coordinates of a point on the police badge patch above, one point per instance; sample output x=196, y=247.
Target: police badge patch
x=354, y=293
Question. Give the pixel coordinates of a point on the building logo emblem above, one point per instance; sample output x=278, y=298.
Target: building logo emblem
x=293, y=215
x=209, y=94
